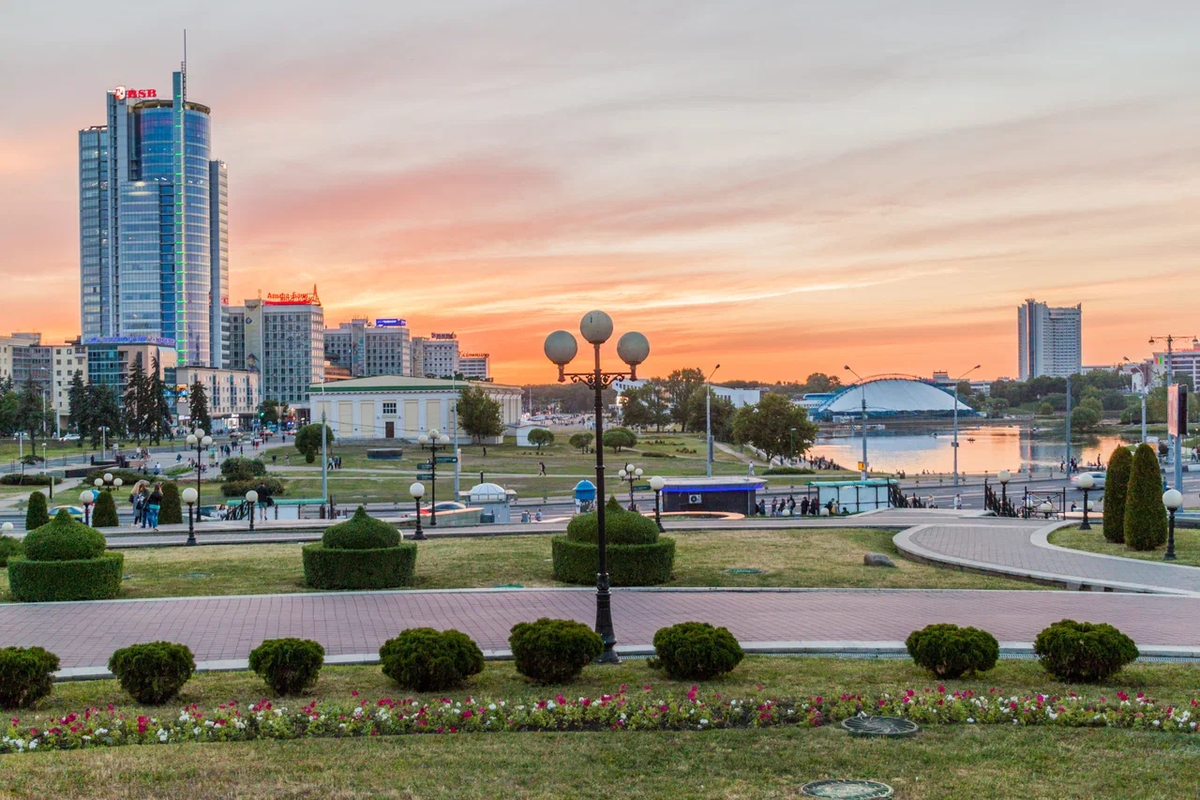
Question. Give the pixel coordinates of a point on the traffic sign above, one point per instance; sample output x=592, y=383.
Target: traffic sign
x=424, y=476
x=642, y=487
x=447, y=459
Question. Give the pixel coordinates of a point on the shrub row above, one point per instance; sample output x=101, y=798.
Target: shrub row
x=628, y=564
x=28, y=479
x=238, y=489
x=64, y=560
x=785, y=470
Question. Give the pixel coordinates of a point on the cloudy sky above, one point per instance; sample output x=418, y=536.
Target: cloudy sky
x=780, y=187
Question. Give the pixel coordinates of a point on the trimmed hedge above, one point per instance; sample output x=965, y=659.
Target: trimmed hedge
x=289, y=666
x=1145, y=514
x=9, y=547
x=128, y=477
x=52, y=581
x=1116, y=486
x=949, y=651
x=424, y=659
x=170, y=511
x=64, y=539
x=553, y=650
x=26, y=675
x=28, y=479
x=104, y=513
x=1083, y=652
x=696, y=651
x=786, y=470
x=622, y=526
x=239, y=468
x=36, y=515
x=153, y=672
x=628, y=564
x=239, y=488
x=379, y=568
x=361, y=532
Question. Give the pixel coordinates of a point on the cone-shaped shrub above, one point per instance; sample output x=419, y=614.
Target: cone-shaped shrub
x=1145, y=515
x=104, y=514
x=170, y=512
x=1116, y=485
x=36, y=515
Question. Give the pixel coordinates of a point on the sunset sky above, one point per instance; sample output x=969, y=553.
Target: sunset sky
x=781, y=187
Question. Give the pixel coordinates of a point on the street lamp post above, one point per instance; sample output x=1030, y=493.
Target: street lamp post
x=632, y=348
x=189, y=496
x=1172, y=499
x=1086, y=482
x=1176, y=441
x=201, y=442
x=657, y=484
x=955, y=445
x=433, y=442
x=862, y=385
x=708, y=440
x=252, y=506
x=87, y=498
x=417, y=490
x=630, y=474
x=1005, y=476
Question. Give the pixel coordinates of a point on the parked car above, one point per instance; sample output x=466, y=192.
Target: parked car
x=1097, y=478
x=69, y=437
x=74, y=511
x=445, y=505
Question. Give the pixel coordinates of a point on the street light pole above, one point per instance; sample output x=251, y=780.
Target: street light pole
x=433, y=442
x=1086, y=482
x=190, y=496
x=1172, y=499
x=708, y=440
x=1176, y=441
x=862, y=385
x=633, y=349
x=657, y=484
x=955, y=445
x=417, y=490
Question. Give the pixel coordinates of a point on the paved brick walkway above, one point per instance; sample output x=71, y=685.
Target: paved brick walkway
x=1021, y=549
x=220, y=628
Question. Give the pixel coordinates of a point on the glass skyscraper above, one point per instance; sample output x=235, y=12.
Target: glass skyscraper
x=153, y=225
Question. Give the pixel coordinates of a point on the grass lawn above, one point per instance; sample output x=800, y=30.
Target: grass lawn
x=799, y=558
x=1187, y=544
x=951, y=762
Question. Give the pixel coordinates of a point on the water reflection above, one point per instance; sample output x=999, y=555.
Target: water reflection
x=982, y=448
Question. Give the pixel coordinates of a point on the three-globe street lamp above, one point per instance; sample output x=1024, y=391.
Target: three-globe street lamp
x=630, y=474
x=1173, y=500
x=1005, y=476
x=86, y=497
x=417, y=490
x=201, y=442
x=252, y=505
x=1086, y=482
x=633, y=348
x=433, y=442
x=190, y=496
x=657, y=484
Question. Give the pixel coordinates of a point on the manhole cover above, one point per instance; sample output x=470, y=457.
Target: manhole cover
x=847, y=790
x=508, y=586
x=745, y=571
x=880, y=726
x=126, y=577
x=196, y=575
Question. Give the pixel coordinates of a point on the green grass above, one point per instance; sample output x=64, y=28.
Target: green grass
x=811, y=557
x=1187, y=544
x=951, y=762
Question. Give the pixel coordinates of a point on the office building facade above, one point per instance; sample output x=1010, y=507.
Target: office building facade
x=435, y=356
x=364, y=349
x=1049, y=340
x=153, y=224
x=282, y=339
x=233, y=395
x=475, y=366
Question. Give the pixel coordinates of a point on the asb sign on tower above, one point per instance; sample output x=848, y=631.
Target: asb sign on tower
x=123, y=93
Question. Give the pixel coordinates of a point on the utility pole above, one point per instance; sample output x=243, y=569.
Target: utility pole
x=956, y=382
x=708, y=439
x=1068, y=462
x=1176, y=442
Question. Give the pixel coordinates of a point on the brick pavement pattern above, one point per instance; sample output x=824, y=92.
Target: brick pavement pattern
x=218, y=628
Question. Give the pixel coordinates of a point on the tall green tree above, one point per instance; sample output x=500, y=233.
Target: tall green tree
x=619, y=437
x=136, y=400
x=1116, y=486
x=580, y=441
x=308, y=441
x=680, y=385
x=1145, y=515
x=162, y=416
x=198, y=407
x=32, y=410
x=722, y=415
x=540, y=437
x=268, y=411
x=820, y=382
x=635, y=413
x=76, y=398
x=479, y=414
x=768, y=426
x=104, y=417
x=36, y=514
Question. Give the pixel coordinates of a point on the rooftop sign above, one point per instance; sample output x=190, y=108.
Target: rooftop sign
x=390, y=322
x=122, y=93
x=441, y=336
x=293, y=298
x=130, y=340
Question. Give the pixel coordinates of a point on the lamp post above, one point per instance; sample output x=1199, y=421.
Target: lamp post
x=1176, y=441
x=200, y=441
x=45, y=467
x=417, y=490
x=189, y=496
x=955, y=445
x=1005, y=476
x=862, y=385
x=1141, y=368
x=87, y=498
x=433, y=442
x=708, y=440
x=1086, y=482
x=1172, y=499
x=6, y=529
x=630, y=474
x=657, y=484
x=252, y=504
x=632, y=348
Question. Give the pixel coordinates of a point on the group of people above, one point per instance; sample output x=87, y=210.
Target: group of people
x=806, y=507
x=334, y=462
x=146, y=499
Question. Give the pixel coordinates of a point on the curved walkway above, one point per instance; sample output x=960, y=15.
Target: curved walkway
x=1021, y=549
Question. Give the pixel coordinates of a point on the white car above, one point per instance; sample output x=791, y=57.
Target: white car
x=1097, y=479
x=70, y=437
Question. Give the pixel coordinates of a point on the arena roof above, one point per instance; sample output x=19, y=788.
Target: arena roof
x=892, y=395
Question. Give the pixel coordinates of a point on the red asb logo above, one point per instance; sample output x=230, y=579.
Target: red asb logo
x=121, y=93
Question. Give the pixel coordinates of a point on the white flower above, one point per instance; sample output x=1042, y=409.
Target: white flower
x=102, y=731
x=970, y=721
x=209, y=723
x=703, y=722
x=87, y=738
x=358, y=711
x=196, y=731
x=33, y=744
x=550, y=706
x=162, y=735
x=1155, y=723
x=491, y=706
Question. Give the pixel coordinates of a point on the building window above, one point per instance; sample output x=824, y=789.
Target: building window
x=389, y=407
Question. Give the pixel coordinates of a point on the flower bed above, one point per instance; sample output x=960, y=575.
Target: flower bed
x=626, y=710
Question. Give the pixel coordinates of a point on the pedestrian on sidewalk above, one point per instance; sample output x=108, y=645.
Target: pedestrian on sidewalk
x=958, y=502
x=154, y=504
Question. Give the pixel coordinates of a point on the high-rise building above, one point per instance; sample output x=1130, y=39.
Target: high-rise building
x=1049, y=340
x=153, y=224
x=283, y=339
x=435, y=356
x=365, y=350
x=475, y=366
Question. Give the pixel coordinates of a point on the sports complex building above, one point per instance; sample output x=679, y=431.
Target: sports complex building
x=890, y=396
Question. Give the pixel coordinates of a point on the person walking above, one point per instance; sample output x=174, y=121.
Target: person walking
x=804, y=506
x=154, y=504
x=542, y=468
x=958, y=502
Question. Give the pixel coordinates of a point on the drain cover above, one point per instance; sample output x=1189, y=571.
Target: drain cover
x=846, y=790
x=126, y=577
x=745, y=571
x=508, y=586
x=196, y=575
x=880, y=726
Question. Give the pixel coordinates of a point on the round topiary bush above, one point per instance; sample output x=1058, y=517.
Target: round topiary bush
x=553, y=650
x=696, y=651
x=36, y=514
x=1083, y=652
x=361, y=532
x=361, y=553
x=1116, y=486
x=26, y=675
x=104, y=513
x=154, y=672
x=64, y=560
x=289, y=666
x=9, y=547
x=1145, y=514
x=949, y=651
x=636, y=554
x=424, y=659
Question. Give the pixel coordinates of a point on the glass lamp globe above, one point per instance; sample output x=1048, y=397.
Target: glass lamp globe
x=108, y=477
x=86, y=497
x=206, y=441
x=443, y=439
x=98, y=482
x=417, y=490
x=189, y=495
x=1004, y=475
x=7, y=528
x=1172, y=499
x=117, y=482
x=657, y=483
x=434, y=433
x=621, y=474
x=1086, y=481
x=633, y=348
x=191, y=439
x=638, y=472
x=560, y=348
x=199, y=433
x=251, y=496
x=423, y=439
x=596, y=327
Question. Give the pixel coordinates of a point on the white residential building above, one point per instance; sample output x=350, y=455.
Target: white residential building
x=1049, y=340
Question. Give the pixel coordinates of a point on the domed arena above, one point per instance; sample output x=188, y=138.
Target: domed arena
x=892, y=396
